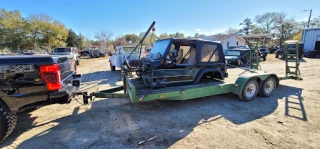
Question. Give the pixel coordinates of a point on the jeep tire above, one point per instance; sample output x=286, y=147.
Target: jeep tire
x=8, y=121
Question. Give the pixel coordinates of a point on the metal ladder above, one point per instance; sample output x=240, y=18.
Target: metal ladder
x=292, y=71
x=254, y=53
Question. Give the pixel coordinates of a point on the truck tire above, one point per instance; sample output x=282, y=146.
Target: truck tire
x=113, y=68
x=77, y=62
x=250, y=90
x=301, y=56
x=277, y=55
x=268, y=86
x=8, y=121
x=264, y=58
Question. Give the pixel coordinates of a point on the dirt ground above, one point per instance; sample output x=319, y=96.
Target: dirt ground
x=288, y=119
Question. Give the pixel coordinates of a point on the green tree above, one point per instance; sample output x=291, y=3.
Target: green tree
x=133, y=38
x=82, y=41
x=13, y=29
x=164, y=36
x=177, y=35
x=315, y=22
x=247, y=29
x=266, y=22
x=72, y=39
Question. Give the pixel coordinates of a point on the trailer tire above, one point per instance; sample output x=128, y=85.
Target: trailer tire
x=250, y=90
x=268, y=86
x=8, y=121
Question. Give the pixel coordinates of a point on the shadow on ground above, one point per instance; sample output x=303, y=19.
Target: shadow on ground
x=100, y=78
x=117, y=123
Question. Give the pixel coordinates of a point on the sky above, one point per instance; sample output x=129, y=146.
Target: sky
x=134, y=16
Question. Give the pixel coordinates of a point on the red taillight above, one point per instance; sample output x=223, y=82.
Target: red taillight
x=51, y=75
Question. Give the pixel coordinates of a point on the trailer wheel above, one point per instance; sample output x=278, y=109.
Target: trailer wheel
x=268, y=86
x=8, y=121
x=250, y=90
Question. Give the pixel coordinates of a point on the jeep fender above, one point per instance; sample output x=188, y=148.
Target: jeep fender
x=205, y=70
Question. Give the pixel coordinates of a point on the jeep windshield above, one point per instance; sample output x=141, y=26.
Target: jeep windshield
x=159, y=47
x=232, y=53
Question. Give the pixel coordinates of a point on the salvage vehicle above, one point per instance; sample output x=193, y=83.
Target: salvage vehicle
x=118, y=58
x=68, y=51
x=158, y=75
x=183, y=61
x=273, y=49
x=28, y=82
x=94, y=53
x=291, y=44
x=237, y=57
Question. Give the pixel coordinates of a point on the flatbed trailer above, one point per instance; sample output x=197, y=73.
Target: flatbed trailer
x=247, y=86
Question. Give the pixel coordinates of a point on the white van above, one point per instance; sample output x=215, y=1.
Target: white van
x=67, y=51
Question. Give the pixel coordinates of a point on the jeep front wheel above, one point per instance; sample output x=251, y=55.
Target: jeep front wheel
x=8, y=121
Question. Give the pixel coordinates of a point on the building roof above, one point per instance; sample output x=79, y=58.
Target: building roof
x=221, y=36
x=266, y=35
x=311, y=29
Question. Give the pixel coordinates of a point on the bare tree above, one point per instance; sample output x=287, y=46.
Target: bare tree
x=104, y=38
x=231, y=31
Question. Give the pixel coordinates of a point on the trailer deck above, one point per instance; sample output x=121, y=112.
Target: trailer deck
x=247, y=86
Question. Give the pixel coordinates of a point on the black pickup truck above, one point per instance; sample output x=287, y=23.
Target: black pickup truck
x=30, y=81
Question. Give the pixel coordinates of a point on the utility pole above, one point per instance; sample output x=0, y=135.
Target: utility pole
x=309, y=16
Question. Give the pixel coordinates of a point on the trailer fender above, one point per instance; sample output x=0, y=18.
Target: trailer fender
x=205, y=70
x=242, y=80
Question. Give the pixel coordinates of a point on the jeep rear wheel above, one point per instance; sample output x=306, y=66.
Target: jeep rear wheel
x=8, y=121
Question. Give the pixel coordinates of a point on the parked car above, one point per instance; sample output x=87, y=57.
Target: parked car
x=28, y=52
x=85, y=53
x=273, y=48
x=118, y=58
x=95, y=53
x=291, y=44
x=263, y=52
x=31, y=81
x=68, y=51
x=237, y=57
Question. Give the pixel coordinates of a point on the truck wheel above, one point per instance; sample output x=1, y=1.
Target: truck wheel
x=264, y=58
x=113, y=68
x=77, y=62
x=277, y=55
x=8, y=121
x=300, y=56
x=268, y=86
x=250, y=90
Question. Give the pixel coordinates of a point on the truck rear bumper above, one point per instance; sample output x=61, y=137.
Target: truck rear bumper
x=67, y=90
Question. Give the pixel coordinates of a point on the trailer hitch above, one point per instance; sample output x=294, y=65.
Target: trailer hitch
x=85, y=97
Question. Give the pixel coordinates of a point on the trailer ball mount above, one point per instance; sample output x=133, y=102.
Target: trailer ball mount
x=85, y=97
